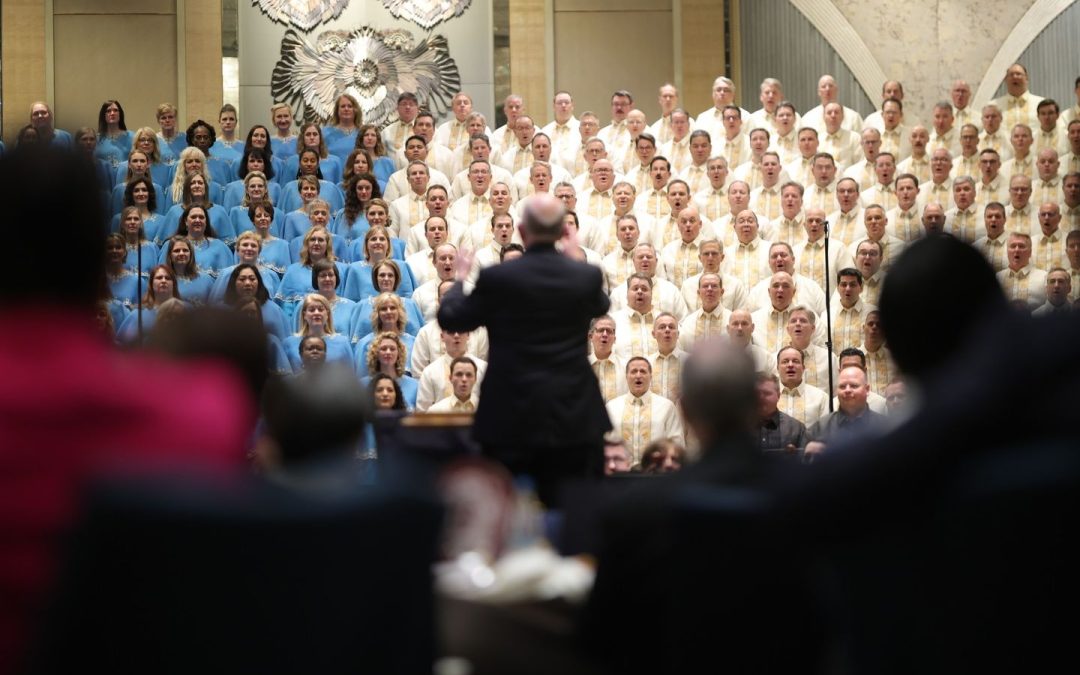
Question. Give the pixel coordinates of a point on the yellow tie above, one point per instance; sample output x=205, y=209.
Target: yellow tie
x=464, y=406
x=636, y=426
x=665, y=381
x=769, y=203
x=605, y=375
x=794, y=404
x=640, y=340
x=479, y=208
x=624, y=265
x=775, y=337
x=995, y=252
x=964, y=226
x=523, y=158
x=705, y=326
x=1048, y=253
x=417, y=209
x=685, y=256
x=600, y=205
x=812, y=260
x=1018, y=223
x=716, y=205
x=849, y=329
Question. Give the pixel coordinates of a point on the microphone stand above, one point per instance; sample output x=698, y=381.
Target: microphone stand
x=828, y=318
x=138, y=285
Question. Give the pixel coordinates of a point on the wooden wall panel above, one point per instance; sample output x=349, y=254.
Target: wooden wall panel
x=702, y=51
x=24, y=62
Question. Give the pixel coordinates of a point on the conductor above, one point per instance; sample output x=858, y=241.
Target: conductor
x=540, y=412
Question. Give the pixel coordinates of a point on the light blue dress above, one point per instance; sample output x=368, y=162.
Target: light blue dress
x=241, y=221
x=337, y=349
x=160, y=174
x=215, y=192
x=397, y=250
x=219, y=220
x=125, y=288
x=197, y=290
x=230, y=152
x=275, y=255
x=409, y=387
x=296, y=283
x=364, y=344
x=210, y=255
x=414, y=318
x=330, y=166
x=170, y=150
x=234, y=193
x=359, y=284
x=117, y=200
x=150, y=256
x=269, y=278
x=283, y=148
x=279, y=363
x=383, y=169
x=343, y=311
x=350, y=232
x=339, y=143
x=114, y=150
x=328, y=192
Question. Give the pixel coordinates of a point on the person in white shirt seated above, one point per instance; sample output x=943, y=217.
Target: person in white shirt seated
x=463, y=375
x=502, y=235
x=609, y=369
x=421, y=263
x=802, y=401
x=619, y=263
x=518, y=155
x=890, y=90
x=740, y=332
x=437, y=204
x=782, y=259
x=669, y=100
x=1058, y=288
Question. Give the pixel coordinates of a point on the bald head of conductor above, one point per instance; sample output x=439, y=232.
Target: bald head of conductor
x=719, y=399
x=542, y=220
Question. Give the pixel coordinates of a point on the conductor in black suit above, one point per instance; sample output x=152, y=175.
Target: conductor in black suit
x=540, y=412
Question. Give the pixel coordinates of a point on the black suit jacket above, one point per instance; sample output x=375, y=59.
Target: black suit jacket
x=539, y=390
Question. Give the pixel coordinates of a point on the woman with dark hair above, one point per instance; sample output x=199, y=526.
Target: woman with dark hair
x=27, y=136
x=255, y=160
x=256, y=186
x=245, y=283
x=162, y=286
x=325, y=278
x=123, y=282
x=311, y=138
x=136, y=243
x=386, y=355
x=137, y=166
x=316, y=245
x=210, y=253
x=258, y=138
x=386, y=393
x=275, y=253
x=193, y=283
x=364, y=282
x=370, y=139
x=359, y=161
x=114, y=140
x=308, y=166
x=341, y=133
x=140, y=193
x=316, y=318
x=197, y=193
x=350, y=222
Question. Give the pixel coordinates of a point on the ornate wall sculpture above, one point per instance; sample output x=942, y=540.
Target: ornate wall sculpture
x=426, y=13
x=373, y=66
x=304, y=14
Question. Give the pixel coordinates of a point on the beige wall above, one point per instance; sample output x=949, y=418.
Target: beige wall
x=118, y=50
x=602, y=46
x=88, y=51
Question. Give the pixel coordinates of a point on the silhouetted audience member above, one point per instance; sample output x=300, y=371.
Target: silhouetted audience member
x=70, y=406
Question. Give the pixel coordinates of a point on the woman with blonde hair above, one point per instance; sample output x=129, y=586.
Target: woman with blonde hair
x=386, y=355
x=387, y=315
x=191, y=160
x=146, y=140
x=316, y=245
x=248, y=252
x=364, y=274
x=316, y=318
